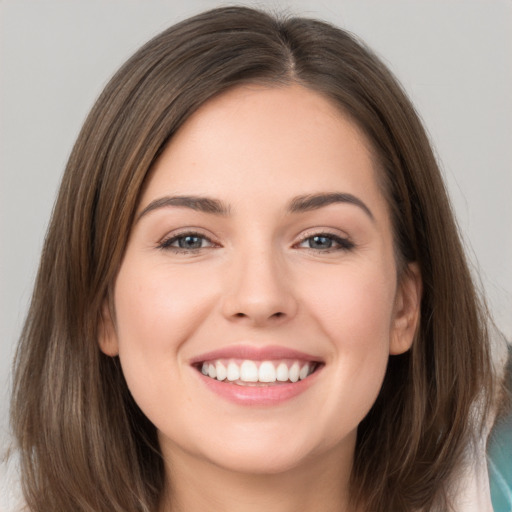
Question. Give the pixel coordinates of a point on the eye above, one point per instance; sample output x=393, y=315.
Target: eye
x=326, y=242
x=186, y=242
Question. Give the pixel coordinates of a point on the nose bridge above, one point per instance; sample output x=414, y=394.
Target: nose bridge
x=258, y=288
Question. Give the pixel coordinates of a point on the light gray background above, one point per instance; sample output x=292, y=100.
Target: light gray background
x=453, y=57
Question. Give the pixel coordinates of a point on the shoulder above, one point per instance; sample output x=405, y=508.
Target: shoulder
x=499, y=447
x=10, y=488
x=474, y=492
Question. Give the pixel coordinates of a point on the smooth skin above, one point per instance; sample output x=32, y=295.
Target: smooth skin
x=321, y=280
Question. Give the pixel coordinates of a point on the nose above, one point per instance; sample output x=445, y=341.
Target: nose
x=259, y=290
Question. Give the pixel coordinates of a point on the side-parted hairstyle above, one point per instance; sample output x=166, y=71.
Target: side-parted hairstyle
x=84, y=443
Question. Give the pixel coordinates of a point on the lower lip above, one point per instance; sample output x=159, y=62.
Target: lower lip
x=258, y=395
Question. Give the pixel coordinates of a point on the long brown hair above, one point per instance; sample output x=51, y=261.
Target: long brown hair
x=84, y=443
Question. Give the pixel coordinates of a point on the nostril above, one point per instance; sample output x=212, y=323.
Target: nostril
x=278, y=314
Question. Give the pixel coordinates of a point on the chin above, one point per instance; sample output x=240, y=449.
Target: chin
x=265, y=452
x=259, y=462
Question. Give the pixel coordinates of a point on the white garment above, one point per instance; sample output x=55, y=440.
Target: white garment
x=10, y=489
x=474, y=493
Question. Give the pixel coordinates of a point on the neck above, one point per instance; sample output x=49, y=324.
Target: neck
x=198, y=485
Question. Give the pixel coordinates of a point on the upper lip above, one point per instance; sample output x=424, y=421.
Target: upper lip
x=260, y=353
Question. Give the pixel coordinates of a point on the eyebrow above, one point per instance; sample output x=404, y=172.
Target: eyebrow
x=200, y=204
x=315, y=201
x=298, y=204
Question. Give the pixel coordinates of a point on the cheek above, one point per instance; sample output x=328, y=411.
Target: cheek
x=355, y=313
x=355, y=306
x=157, y=308
x=157, y=311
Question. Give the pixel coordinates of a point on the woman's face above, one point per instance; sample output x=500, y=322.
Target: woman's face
x=258, y=300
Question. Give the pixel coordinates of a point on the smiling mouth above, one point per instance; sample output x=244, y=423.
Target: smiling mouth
x=257, y=373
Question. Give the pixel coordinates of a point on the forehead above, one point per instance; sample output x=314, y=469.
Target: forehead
x=268, y=142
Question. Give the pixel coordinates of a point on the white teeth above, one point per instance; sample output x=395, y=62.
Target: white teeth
x=221, y=371
x=255, y=371
x=304, y=372
x=233, y=372
x=294, y=372
x=267, y=372
x=249, y=372
x=282, y=372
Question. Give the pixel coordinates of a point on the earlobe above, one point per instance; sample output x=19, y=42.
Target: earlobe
x=407, y=310
x=107, y=335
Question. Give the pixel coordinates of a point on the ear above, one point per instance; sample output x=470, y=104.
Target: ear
x=407, y=310
x=107, y=335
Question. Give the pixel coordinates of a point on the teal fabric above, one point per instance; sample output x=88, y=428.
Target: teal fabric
x=499, y=453
x=499, y=458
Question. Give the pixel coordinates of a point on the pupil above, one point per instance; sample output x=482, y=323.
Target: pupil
x=190, y=242
x=321, y=242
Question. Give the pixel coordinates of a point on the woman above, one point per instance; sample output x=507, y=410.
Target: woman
x=252, y=295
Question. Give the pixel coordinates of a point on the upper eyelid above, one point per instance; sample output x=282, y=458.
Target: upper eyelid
x=188, y=231
x=168, y=239
x=194, y=231
x=324, y=231
x=342, y=240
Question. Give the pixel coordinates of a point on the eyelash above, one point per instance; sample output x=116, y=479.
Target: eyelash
x=166, y=244
x=343, y=244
